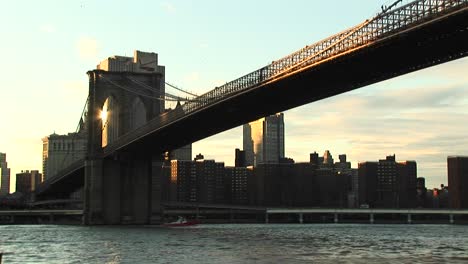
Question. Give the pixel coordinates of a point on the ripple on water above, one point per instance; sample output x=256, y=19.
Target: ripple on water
x=236, y=244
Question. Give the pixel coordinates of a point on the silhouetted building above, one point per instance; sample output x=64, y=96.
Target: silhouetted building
x=407, y=175
x=304, y=185
x=183, y=153
x=298, y=184
x=421, y=191
x=210, y=181
x=314, y=158
x=240, y=160
x=353, y=193
x=4, y=175
x=458, y=181
x=438, y=198
x=342, y=165
x=272, y=184
x=367, y=183
x=286, y=160
x=236, y=184
x=332, y=187
x=387, y=183
x=26, y=181
x=183, y=182
x=263, y=140
x=197, y=181
x=199, y=156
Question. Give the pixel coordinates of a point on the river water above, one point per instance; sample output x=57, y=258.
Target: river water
x=240, y=243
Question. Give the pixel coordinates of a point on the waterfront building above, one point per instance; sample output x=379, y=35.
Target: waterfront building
x=210, y=181
x=271, y=184
x=457, y=167
x=407, y=191
x=197, y=181
x=387, y=183
x=421, y=191
x=263, y=140
x=4, y=175
x=183, y=182
x=59, y=151
x=26, y=181
x=298, y=184
x=236, y=184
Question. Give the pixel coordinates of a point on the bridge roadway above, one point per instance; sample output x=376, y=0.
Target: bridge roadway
x=409, y=38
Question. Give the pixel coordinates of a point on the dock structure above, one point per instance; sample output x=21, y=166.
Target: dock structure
x=374, y=215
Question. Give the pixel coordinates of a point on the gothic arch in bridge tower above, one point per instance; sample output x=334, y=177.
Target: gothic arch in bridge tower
x=137, y=113
x=110, y=121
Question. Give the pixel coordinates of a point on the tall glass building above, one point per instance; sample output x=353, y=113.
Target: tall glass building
x=263, y=140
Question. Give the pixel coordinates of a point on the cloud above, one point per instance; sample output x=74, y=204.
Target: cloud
x=88, y=48
x=168, y=7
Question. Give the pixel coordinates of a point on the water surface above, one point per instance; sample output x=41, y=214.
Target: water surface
x=249, y=243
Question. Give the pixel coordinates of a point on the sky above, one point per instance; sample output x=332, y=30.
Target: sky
x=48, y=46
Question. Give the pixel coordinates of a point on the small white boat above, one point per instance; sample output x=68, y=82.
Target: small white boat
x=181, y=221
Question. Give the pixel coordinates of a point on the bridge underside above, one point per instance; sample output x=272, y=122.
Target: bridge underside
x=63, y=187
x=418, y=48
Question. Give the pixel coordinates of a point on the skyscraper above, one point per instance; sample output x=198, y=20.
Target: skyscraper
x=263, y=140
x=457, y=167
x=4, y=175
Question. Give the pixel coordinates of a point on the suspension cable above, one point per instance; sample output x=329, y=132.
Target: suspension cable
x=143, y=95
x=179, y=89
x=151, y=89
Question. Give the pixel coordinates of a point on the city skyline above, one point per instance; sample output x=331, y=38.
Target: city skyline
x=426, y=121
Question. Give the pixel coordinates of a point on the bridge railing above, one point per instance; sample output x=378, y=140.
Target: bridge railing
x=397, y=18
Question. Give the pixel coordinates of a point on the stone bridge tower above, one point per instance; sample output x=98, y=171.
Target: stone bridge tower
x=124, y=188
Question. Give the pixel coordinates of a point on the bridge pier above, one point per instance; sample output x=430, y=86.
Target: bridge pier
x=371, y=218
x=301, y=219
x=123, y=191
x=92, y=214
